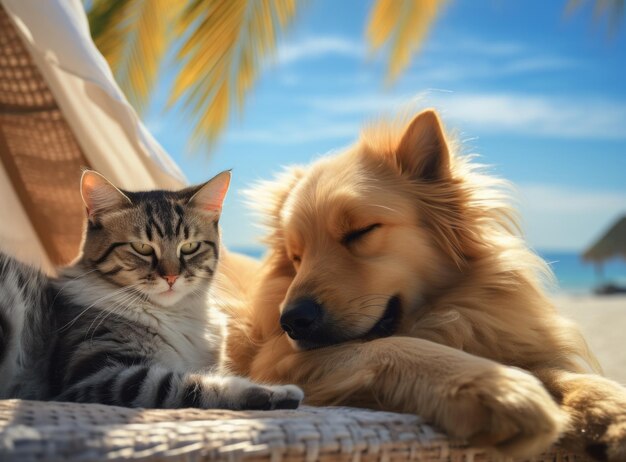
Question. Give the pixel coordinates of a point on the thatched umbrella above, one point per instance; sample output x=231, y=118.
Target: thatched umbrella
x=611, y=245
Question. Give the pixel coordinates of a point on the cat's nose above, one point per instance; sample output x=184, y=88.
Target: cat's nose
x=170, y=278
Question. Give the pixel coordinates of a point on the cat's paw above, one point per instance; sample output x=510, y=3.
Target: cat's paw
x=260, y=397
x=506, y=409
x=243, y=394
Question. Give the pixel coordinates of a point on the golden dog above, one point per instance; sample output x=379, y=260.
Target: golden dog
x=396, y=280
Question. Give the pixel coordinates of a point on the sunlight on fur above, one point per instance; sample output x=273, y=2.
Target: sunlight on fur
x=397, y=279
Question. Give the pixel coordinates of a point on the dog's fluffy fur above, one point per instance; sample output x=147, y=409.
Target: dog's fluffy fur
x=478, y=348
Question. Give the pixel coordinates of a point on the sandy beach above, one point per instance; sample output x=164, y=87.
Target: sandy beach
x=603, y=322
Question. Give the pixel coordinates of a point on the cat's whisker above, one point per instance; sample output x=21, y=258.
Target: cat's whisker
x=118, y=310
x=69, y=282
x=104, y=297
x=105, y=313
x=101, y=316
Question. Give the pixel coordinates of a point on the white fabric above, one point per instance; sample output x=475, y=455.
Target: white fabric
x=17, y=235
x=112, y=137
x=107, y=128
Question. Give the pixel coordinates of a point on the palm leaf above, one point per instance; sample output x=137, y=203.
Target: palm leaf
x=133, y=35
x=611, y=9
x=403, y=25
x=225, y=42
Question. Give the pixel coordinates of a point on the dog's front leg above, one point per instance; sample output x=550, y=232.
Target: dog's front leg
x=597, y=410
x=470, y=397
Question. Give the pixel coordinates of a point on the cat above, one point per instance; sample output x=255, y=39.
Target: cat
x=129, y=323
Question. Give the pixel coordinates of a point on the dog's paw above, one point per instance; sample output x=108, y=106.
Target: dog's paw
x=598, y=409
x=614, y=439
x=506, y=409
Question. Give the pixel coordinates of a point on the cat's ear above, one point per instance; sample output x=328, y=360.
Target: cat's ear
x=423, y=151
x=99, y=195
x=210, y=196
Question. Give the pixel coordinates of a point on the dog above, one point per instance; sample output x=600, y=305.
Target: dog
x=396, y=279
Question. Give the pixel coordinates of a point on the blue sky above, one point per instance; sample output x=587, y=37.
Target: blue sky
x=538, y=94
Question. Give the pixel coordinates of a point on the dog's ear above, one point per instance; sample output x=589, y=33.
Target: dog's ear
x=423, y=150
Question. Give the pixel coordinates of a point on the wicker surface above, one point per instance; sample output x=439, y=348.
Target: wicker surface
x=35, y=431
x=38, y=149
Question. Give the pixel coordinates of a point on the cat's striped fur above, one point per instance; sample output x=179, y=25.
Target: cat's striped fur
x=120, y=327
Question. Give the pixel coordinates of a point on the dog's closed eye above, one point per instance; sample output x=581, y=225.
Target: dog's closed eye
x=357, y=234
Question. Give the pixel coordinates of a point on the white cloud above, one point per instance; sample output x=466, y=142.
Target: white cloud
x=462, y=71
x=518, y=113
x=460, y=58
x=539, y=115
x=328, y=45
x=477, y=46
x=317, y=47
x=538, y=63
x=295, y=133
x=440, y=63
x=565, y=218
x=341, y=117
x=359, y=105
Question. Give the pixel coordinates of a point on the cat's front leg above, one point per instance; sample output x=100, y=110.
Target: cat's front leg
x=158, y=387
x=237, y=393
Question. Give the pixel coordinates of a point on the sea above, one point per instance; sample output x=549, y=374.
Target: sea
x=576, y=276
x=573, y=275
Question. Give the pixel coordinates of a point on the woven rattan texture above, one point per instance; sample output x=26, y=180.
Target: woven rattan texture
x=35, y=431
x=38, y=149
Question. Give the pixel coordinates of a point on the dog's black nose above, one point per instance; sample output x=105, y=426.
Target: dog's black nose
x=300, y=318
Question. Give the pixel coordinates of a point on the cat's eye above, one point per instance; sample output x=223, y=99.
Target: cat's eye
x=357, y=234
x=189, y=248
x=142, y=249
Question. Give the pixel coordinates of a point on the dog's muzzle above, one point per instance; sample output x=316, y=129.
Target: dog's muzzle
x=301, y=318
x=307, y=323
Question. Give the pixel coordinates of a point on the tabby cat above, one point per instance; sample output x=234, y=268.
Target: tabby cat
x=129, y=322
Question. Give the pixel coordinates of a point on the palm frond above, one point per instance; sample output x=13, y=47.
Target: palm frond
x=133, y=35
x=613, y=10
x=403, y=25
x=223, y=49
x=106, y=21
